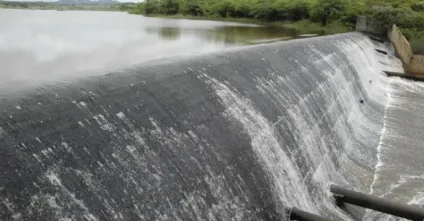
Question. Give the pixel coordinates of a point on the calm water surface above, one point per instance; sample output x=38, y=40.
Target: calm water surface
x=43, y=45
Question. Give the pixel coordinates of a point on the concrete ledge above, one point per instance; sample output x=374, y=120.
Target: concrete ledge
x=416, y=77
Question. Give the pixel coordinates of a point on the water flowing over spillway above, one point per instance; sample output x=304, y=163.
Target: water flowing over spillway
x=239, y=135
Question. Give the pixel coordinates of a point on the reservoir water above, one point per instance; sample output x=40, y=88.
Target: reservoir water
x=41, y=45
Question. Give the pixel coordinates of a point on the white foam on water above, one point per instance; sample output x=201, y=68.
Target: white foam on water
x=379, y=163
x=266, y=145
x=121, y=115
x=66, y=146
x=311, y=143
x=400, y=146
x=417, y=200
x=53, y=178
x=63, y=197
x=36, y=157
x=45, y=152
x=104, y=124
x=17, y=216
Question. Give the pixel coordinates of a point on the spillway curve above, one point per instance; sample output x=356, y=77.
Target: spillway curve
x=237, y=135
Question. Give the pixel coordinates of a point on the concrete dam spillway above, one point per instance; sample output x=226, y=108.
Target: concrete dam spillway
x=237, y=135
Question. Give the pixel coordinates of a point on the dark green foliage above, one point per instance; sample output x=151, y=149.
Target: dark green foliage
x=325, y=11
x=169, y=7
x=418, y=45
x=152, y=7
x=404, y=18
x=418, y=7
x=407, y=14
x=225, y=9
x=192, y=7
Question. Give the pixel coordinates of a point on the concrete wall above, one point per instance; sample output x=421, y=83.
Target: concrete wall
x=364, y=24
x=361, y=23
x=416, y=66
x=413, y=64
x=402, y=46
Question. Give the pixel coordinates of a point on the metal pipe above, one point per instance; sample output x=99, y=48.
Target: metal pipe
x=378, y=204
x=300, y=215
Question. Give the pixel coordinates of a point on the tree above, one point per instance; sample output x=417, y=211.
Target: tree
x=152, y=7
x=264, y=10
x=418, y=7
x=192, y=7
x=169, y=7
x=225, y=9
x=326, y=10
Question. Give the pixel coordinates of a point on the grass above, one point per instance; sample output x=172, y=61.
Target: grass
x=303, y=26
x=307, y=26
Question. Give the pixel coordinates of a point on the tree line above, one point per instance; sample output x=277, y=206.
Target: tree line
x=408, y=14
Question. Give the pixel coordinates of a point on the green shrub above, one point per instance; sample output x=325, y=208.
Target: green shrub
x=192, y=7
x=326, y=11
x=418, y=7
x=334, y=15
x=265, y=11
x=418, y=46
x=225, y=9
x=169, y=7
x=152, y=7
x=403, y=17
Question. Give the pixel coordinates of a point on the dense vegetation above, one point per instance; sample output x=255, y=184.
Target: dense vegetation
x=408, y=14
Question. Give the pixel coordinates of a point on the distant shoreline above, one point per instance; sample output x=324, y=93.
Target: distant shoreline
x=302, y=27
x=58, y=6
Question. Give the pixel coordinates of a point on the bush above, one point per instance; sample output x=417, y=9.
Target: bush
x=326, y=11
x=418, y=7
x=152, y=7
x=265, y=11
x=337, y=14
x=224, y=9
x=295, y=10
x=169, y=7
x=418, y=46
x=242, y=10
x=404, y=18
x=193, y=8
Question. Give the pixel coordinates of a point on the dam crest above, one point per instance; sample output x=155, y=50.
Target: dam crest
x=238, y=135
